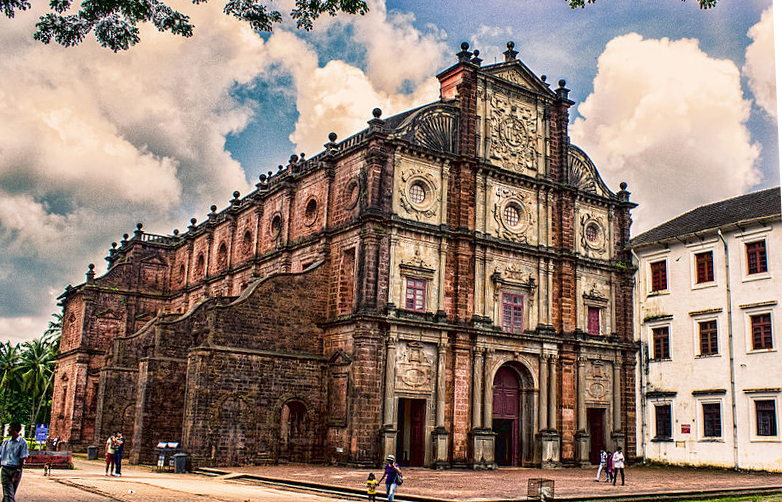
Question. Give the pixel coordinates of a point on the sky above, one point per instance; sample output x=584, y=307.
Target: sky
x=678, y=102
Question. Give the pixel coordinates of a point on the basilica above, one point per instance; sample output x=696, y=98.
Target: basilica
x=449, y=285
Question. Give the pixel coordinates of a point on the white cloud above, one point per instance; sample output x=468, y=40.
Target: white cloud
x=671, y=122
x=759, y=65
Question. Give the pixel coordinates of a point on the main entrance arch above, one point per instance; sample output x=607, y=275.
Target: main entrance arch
x=513, y=412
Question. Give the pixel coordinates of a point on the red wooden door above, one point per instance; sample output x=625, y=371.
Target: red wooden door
x=417, y=440
x=596, y=417
x=505, y=417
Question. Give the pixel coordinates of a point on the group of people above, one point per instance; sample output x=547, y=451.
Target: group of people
x=393, y=477
x=114, y=447
x=613, y=464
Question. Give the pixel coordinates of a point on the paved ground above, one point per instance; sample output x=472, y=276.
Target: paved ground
x=511, y=483
x=142, y=484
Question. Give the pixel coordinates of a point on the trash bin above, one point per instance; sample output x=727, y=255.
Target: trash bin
x=180, y=463
x=92, y=453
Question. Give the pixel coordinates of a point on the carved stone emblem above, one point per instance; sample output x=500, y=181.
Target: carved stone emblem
x=415, y=365
x=513, y=131
x=597, y=390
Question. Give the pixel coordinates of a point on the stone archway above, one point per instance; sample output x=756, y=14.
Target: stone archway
x=513, y=415
x=294, y=432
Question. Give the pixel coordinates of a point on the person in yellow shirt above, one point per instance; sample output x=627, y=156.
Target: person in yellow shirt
x=371, y=486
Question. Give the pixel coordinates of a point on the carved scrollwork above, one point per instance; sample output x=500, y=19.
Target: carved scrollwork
x=582, y=174
x=431, y=127
x=512, y=215
x=415, y=365
x=419, y=193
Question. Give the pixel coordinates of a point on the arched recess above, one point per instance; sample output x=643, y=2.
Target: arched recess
x=513, y=415
x=296, y=432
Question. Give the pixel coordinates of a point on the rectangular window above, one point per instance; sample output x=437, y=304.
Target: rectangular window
x=662, y=346
x=766, y=414
x=512, y=313
x=662, y=420
x=708, y=332
x=756, y=257
x=659, y=276
x=712, y=425
x=415, y=295
x=593, y=320
x=761, y=332
x=704, y=263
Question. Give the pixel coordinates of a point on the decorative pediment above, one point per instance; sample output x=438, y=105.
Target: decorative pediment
x=512, y=275
x=518, y=74
x=417, y=264
x=583, y=175
x=339, y=358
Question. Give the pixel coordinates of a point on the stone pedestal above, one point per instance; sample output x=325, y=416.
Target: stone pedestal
x=388, y=435
x=549, y=449
x=582, y=449
x=440, y=449
x=482, y=441
x=618, y=438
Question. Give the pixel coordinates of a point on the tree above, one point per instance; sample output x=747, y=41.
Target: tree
x=36, y=366
x=703, y=4
x=114, y=22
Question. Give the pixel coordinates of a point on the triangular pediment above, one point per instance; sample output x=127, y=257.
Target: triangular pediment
x=517, y=73
x=339, y=358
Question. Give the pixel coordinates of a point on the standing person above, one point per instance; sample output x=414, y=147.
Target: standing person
x=371, y=487
x=119, y=445
x=110, y=451
x=609, y=467
x=619, y=464
x=13, y=452
x=603, y=461
x=392, y=475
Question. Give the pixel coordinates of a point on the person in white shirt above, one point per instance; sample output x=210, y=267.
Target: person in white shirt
x=13, y=453
x=619, y=464
x=603, y=460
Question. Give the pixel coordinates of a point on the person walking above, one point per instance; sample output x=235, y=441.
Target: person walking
x=393, y=477
x=119, y=445
x=13, y=453
x=371, y=487
x=619, y=464
x=110, y=451
x=609, y=467
x=603, y=461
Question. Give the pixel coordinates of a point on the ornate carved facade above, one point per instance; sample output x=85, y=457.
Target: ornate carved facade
x=447, y=285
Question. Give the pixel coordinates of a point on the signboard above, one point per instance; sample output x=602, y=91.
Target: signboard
x=685, y=428
x=41, y=433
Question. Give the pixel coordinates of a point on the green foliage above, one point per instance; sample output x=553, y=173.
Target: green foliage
x=115, y=22
x=703, y=4
x=27, y=375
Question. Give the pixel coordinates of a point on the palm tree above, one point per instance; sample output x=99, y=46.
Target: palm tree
x=9, y=371
x=36, y=367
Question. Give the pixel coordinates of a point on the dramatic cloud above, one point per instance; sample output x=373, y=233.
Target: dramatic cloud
x=759, y=66
x=671, y=122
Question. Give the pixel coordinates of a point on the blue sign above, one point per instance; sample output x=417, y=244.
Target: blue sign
x=41, y=432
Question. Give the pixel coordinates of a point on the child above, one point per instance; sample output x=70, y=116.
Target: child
x=110, y=445
x=371, y=486
x=610, y=467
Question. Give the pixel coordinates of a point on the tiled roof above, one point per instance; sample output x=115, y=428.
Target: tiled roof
x=746, y=207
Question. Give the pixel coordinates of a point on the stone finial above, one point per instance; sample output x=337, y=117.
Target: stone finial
x=235, y=200
x=269, y=174
x=331, y=146
x=510, y=54
x=623, y=193
x=332, y=136
x=475, y=59
x=465, y=55
x=124, y=239
x=562, y=91
x=377, y=112
x=138, y=232
x=376, y=124
x=192, y=224
x=213, y=208
x=176, y=232
x=91, y=273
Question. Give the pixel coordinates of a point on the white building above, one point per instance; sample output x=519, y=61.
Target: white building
x=709, y=322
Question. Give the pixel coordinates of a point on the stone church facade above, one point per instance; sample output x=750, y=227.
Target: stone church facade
x=449, y=286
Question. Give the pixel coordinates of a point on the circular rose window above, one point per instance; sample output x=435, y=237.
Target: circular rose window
x=311, y=212
x=511, y=215
x=276, y=226
x=417, y=193
x=591, y=232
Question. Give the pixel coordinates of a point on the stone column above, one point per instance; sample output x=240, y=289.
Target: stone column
x=389, y=431
x=582, y=436
x=617, y=435
x=552, y=393
x=440, y=435
x=477, y=385
x=488, y=390
x=543, y=394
